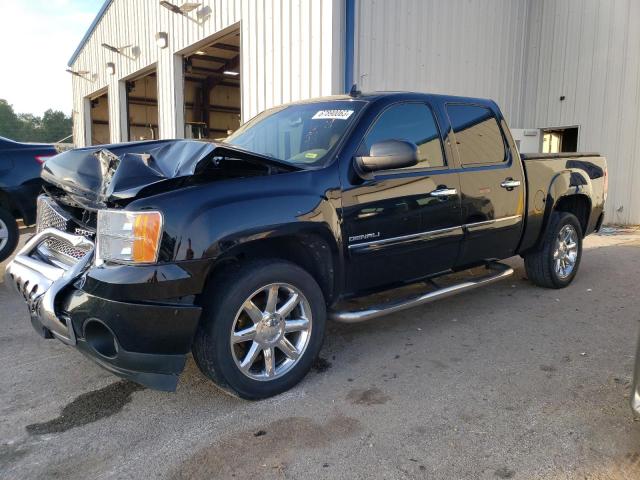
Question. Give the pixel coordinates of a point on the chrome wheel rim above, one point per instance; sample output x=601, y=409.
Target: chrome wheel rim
x=271, y=331
x=565, y=253
x=4, y=234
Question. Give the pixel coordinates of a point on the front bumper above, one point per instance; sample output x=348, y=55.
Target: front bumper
x=40, y=282
x=145, y=342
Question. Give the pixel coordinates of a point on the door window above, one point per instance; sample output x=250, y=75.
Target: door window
x=413, y=122
x=477, y=134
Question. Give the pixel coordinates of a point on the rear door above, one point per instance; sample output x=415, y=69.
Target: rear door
x=491, y=181
x=402, y=224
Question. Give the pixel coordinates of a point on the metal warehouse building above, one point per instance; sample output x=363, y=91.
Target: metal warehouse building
x=565, y=72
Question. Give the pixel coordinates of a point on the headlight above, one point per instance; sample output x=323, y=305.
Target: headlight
x=129, y=237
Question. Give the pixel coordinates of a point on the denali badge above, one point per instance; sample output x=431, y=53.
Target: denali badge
x=366, y=236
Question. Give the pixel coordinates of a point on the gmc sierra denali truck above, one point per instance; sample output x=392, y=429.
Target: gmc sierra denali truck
x=239, y=251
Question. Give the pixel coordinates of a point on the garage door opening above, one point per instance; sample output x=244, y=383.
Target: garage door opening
x=212, y=89
x=99, y=127
x=559, y=140
x=142, y=107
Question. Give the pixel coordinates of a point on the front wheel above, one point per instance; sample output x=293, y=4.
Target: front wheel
x=555, y=263
x=262, y=327
x=9, y=234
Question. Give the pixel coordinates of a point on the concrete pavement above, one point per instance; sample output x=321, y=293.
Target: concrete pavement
x=510, y=381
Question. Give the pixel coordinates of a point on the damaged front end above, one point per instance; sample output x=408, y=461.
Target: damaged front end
x=75, y=297
x=113, y=175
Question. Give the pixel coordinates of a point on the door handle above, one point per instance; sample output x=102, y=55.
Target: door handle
x=510, y=184
x=444, y=192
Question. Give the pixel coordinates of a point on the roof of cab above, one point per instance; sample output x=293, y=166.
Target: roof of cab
x=400, y=95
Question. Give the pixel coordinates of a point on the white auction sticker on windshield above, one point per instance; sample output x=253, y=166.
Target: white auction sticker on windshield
x=332, y=115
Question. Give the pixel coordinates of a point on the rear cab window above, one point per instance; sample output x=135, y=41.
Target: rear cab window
x=477, y=135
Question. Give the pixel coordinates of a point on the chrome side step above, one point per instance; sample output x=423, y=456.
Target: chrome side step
x=498, y=272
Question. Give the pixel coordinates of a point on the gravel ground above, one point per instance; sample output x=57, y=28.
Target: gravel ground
x=510, y=381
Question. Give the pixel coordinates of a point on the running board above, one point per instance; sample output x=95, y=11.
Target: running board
x=499, y=271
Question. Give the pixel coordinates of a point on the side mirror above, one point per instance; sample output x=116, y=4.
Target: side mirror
x=388, y=155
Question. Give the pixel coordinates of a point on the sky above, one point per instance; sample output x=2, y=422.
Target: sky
x=37, y=38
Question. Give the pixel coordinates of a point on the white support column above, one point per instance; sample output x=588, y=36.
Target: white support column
x=121, y=121
x=84, y=116
x=170, y=95
x=117, y=112
x=79, y=113
x=178, y=95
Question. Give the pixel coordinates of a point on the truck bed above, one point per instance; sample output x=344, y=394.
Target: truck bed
x=581, y=174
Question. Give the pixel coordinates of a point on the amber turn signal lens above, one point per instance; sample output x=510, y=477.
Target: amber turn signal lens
x=146, y=237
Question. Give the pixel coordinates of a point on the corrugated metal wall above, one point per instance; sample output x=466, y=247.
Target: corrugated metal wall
x=291, y=49
x=589, y=52
x=459, y=47
x=524, y=54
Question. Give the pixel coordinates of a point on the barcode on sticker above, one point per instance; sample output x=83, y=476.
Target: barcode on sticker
x=332, y=115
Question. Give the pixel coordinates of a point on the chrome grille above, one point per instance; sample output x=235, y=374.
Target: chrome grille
x=49, y=216
x=52, y=216
x=64, y=248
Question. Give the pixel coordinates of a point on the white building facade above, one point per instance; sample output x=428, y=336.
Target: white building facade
x=565, y=73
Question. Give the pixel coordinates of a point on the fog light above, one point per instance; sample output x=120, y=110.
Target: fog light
x=100, y=338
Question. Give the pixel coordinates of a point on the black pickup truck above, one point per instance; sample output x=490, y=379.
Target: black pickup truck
x=239, y=251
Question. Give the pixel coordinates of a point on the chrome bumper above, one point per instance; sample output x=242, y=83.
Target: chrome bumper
x=39, y=281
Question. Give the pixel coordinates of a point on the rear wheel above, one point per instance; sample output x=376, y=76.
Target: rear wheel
x=555, y=263
x=8, y=234
x=262, y=327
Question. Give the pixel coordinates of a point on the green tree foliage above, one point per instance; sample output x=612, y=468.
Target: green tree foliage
x=25, y=127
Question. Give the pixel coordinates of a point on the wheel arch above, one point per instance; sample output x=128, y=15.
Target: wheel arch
x=16, y=203
x=570, y=191
x=8, y=204
x=313, y=250
x=577, y=204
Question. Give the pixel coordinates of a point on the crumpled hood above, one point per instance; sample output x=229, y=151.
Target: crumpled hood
x=98, y=176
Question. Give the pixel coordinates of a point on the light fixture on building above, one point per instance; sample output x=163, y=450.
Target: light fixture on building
x=162, y=39
x=113, y=49
x=111, y=68
x=200, y=52
x=78, y=73
x=231, y=73
x=183, y=9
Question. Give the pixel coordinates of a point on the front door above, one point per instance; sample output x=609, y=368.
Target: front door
x=492, y=183
x=402, y=224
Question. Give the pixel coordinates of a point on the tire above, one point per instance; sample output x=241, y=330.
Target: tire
x=544, y=266
x=9, y=234
x=227, y=312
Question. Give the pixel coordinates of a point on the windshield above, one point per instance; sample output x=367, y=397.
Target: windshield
x=302, y=134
